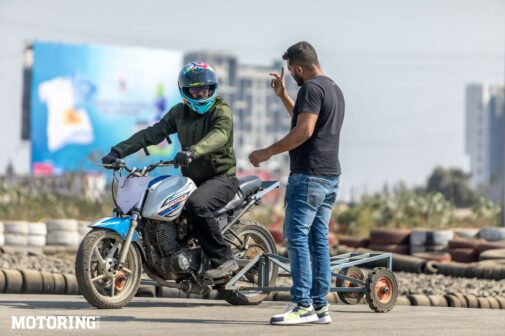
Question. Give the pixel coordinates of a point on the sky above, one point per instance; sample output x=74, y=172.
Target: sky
x=402, y=64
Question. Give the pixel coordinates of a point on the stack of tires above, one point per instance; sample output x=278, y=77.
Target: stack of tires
x=464, y=250
x=63, y=232
x=390, y=240
x=37, y=234
x=493, y=248
x=424, y=240
x=16, y=233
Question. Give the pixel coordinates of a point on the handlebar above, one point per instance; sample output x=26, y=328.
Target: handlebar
x=120, y=164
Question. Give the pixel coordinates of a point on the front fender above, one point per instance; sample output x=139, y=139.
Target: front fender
x=120, y=225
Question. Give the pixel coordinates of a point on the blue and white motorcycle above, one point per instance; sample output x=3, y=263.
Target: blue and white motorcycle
x=149, y=231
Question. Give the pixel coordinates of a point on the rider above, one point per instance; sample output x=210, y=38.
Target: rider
x=204, y=125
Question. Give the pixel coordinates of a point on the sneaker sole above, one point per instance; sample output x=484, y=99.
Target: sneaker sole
x=306, y=319
x=324, y=320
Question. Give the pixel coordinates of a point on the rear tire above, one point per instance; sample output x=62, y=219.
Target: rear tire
x=97, y=280
x=262, y=242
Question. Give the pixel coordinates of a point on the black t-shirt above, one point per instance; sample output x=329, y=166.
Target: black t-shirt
x=319, y=154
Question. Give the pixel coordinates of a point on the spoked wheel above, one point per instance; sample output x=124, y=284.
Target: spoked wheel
x=350, y=298
x=95, y=267
x=381, y=290
x=253, y=239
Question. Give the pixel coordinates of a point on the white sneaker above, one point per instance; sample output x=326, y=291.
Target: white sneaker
x=323, y=315
x=295, y=314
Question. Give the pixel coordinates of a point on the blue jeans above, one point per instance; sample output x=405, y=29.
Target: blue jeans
x=309, y=200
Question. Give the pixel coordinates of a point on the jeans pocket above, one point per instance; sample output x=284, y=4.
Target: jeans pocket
x=316, y=192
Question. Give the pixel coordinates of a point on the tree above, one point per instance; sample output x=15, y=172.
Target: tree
x=453, y=185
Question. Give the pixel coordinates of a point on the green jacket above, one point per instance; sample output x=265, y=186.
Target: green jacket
x=209, y=136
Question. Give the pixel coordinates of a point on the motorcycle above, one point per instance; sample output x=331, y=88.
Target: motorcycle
x=149, y=231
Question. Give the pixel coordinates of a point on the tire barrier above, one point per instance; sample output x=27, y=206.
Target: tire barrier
x=452, y=300
x=36, y=282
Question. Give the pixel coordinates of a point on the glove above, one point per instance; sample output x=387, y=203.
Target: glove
x=184, y=158
x=111, y=157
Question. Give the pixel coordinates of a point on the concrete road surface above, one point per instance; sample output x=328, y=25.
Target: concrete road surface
x=157, y=316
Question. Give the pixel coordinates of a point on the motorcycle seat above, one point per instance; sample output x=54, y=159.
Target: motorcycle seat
x=246, y=186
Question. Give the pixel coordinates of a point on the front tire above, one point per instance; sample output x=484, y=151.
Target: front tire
x=256, y=239
x=100, y=283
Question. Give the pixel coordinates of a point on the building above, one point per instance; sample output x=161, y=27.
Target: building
x=485, y=137
x=260, y=118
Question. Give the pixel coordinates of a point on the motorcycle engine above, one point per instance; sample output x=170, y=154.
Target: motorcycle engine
x=167, y=251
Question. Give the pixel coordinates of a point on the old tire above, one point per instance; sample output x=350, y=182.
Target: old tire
x=66, y=238
x=394, y=248
x=438, y=300
x=492, y=233
x=419, y=300
x=36, y=241
x=460, y=297
x=16, y=227
x=453, y=301
x=389, y=236
x=483, y=303
x=37, y=229
x=2, y=282
x=71, y=286
x=262, y=241
x=59, y=284
x=381, y=290
x=71, y=225
x=350, y=298
x=471, y=301
x=13, y=282
x=47, y=283
x=464, y=255
x=32, y=282
x=15, y=239
x=493, y=303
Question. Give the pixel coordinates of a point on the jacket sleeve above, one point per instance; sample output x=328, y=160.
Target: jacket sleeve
x=149, y=136
x=220, y=131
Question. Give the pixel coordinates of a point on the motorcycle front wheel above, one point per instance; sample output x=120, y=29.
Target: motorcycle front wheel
x=101, y=284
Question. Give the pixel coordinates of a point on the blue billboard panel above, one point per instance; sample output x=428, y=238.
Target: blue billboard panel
x=87, y=98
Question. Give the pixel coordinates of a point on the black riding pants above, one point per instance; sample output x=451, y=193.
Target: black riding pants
x=211, y=195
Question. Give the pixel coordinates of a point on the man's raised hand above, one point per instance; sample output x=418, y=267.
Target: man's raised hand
x=278, y=83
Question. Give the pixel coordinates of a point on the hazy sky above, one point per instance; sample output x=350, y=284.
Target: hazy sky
x=402, y=65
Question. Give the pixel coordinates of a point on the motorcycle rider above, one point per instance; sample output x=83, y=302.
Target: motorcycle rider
x=204, y=125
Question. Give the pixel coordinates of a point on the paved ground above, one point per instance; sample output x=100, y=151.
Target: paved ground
x=155, y=316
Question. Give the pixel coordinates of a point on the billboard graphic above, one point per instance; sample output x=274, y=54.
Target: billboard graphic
x=87, y=98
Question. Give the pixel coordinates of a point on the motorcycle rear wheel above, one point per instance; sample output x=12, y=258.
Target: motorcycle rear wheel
x=256, y=239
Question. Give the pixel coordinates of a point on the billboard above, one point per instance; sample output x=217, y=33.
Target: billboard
x=86, y=98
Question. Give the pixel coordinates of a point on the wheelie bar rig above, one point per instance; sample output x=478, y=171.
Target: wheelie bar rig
x=379, y=287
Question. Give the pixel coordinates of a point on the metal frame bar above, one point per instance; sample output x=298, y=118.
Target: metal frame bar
x=338, y=262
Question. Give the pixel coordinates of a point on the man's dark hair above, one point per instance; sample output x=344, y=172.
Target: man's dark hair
x=302, y=54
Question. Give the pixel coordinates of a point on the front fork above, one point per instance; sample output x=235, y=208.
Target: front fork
x=128, y=240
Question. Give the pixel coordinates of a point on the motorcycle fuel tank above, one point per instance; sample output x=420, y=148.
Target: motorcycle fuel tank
x=167, y=196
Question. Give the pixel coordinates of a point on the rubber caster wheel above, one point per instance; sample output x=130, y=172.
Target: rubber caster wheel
x=350, y=298
x=381, y=290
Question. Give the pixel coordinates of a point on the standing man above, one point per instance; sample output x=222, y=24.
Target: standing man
x=313, y=145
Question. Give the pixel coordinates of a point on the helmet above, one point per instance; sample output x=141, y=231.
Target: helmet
x=197, y=74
